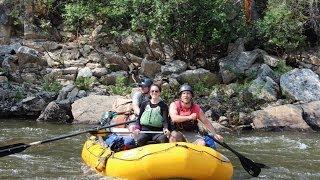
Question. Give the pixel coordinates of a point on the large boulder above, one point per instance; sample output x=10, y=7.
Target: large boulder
x=9, y=49
x=301, y=85
x=34, y=104
x=122, y=105
x=174, y=67
x=311, y=114
x=110, y=79
x=90, y=109
x=236, y=64
x=193, y=77
x=114, y=58
x=157, y=50
x=42, y=46
x=56, y=112
x=134, y=43
x=84, y=72
x=150, y=68
x=285, y=117
x=264, y=89
x=28, y=55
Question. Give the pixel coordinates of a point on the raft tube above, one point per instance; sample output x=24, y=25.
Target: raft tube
x=158, y=161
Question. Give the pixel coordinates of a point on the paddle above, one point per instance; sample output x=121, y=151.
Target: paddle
x=127, y=132
x=250, y=166
x=19, y=147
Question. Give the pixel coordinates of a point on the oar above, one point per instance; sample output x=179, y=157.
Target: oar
x=19, y=147
x=250, y=166
x=128, y=132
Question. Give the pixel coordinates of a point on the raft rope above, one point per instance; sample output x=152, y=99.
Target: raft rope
x=176, y=145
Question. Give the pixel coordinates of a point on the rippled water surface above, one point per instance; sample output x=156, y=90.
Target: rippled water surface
x=291, y=155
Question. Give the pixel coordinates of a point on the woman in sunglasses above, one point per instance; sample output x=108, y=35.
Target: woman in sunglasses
x=153, y=116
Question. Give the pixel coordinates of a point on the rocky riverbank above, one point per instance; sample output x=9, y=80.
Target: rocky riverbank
x=241, y=90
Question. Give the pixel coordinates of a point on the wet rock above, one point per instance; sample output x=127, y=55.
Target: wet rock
x=311, y=114
x=56, y=112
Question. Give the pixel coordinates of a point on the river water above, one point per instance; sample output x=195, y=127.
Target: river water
x=291, y=155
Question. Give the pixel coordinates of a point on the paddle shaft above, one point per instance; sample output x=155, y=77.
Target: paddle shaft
x=128, y=132
x=15, y=148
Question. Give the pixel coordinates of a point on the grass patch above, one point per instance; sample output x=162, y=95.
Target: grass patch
x=120, y=88
x=50, y=83
x=282, y=68
x=84, y=83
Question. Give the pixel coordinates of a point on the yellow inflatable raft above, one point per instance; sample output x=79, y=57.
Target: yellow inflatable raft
x=158, y=161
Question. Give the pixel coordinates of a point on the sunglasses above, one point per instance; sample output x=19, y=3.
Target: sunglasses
x=156, y=91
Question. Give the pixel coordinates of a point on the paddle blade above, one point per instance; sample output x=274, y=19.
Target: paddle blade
x=251, y=167
x=12, y=149
x=260, y=165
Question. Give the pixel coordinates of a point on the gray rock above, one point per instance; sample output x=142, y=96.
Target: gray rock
x=198, y=75
x=271, y=60
x=235, y=65
x=114, y=58
x=311, y=114
x=174, y=67
x=9, y=49
x=84, y=72
x=301, y=85
x=150, y=68
x=28, y=55
x=99, y=72
x=265, y=89
x=55, y=113
x=63, y=93
x=110, y=79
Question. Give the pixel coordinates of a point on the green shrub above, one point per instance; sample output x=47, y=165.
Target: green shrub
x=241, y=87
x=83, y=15
x=120, y=88
x=282, y=68
x=50, y=83
x=84, y=83
x=189, y=26
x=18, y=95
x=282, y=26
x=77, y=16
x=201, y=88
x=168, y=95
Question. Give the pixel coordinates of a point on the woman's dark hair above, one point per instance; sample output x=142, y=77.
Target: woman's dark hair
x=157, y=85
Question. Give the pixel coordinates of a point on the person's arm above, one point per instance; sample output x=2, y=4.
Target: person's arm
x=173, y=112
x=209, y=126
x=142, y=108
x=136, y=103
x=165, y=116
x=164, y=113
